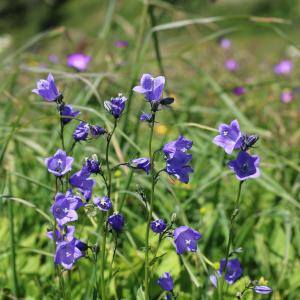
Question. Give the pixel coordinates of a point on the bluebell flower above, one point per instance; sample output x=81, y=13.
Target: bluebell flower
x=116, y=221
x=166, y=282
x=47, y=89
x=93, y=165
x=78, y=61
x=68, y=236
x=116, y=105
x=142, y=163
x=96, y=131
x=81, y=132
x=59, y=164
x=67, y=111
x=245, y=166
x=146, y=117
x=262, y=289
x=103, y=203
x=283, y=67
x=158, y=226
x=181, y=144
x=185, y=239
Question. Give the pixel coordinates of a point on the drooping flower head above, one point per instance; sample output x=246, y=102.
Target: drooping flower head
x=231, y=65
x=116, y=221
x=151, y=87
x=181, y=144
x=116, y=105
x=286, y=96
x=262, y=289
x=177, y=165
x=67, y=111
x=47, y=89
x=229, y=137
x=166, y=282
x=78, y=61
x=239, y=90
x=81, y=132
x=158, y=226
x=59, y=164
x=283, y=67
x=142, y=163
x=103, y=203
x=185, y=239
x=245, y=166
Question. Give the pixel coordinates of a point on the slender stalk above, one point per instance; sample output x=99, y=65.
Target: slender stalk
x=231, y=231
x=108, y=185
x=152, y=171
x=62, y=134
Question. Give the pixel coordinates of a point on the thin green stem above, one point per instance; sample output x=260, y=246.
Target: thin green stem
x=62, y=134
x=152, y=171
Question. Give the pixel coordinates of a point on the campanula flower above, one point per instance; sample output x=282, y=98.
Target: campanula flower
x=64, y=208
x=286, y=96
x=224, y=43
x=142, y=163
x=53, y=58
x=185, y=239
x=177, y=165
x=239, y=90
x=116, y=105
x=67, y=111
x=245, y=166
x=166, y=282
x=181, y=144
x=146, y=117
x=231, y=65
x=47, y=89
x=262, y=289
x=116, y=221
x=59, y=164
x=229, y=137
x=158, y=226
x=93, y=165
x=121, y=44
x=78, y=61
x=68, y=235
x=248, y=140
x=81, y=132
x=103, y=203
x=283, y=67
x=151, y=87
x=67, y=253
x=96, y=131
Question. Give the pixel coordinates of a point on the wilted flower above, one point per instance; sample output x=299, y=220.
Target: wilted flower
x=67, y=111
x=78, y=61
x=181, y=144
x=59, y=164
x=103, y=203
x=151, y=87
x=166, y=282
x=231, y=65
x=142, y=163
x=121, y=44
x=239, y=90
x=146, y=117
x=158, y=226
x=283, y=67
x=229, y=137
x=47, y=89
x=286, y=96
x=245, y=166
x=262, y=289
x=81, y=132
x=116, y=221
x=185, y=239
x=177, y=165
x=96, y=130
x=116, y=105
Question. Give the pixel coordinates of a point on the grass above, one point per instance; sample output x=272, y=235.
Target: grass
x=186, y=52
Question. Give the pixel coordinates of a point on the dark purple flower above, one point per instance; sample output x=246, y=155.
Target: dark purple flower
x=121, y=44
x=142, y=163
x=229, y=137
x=93, y=165
x=116, y=221
x=67, y=253
x=96, y=130
x=116, y=105
x=158, y=226
x=82, y=181
x=151, y=87
x=177, y=165
x=262, y=289
x=103, y=203
x=283, y=67
x=78, y=61
x=146, y=117
x=67, y=111
x=166, y=282
x=239, y=90
x=231, y=65
x=59, y=164
x=181, y=144
x=47, y=89
x=286, y=96
x=245, y=166
x=185, y=239
x=81, y=132
x=224, y=43
x=64, y=208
